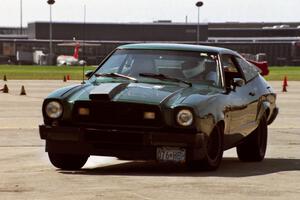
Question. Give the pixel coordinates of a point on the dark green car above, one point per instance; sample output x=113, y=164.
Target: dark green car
x=164, y=102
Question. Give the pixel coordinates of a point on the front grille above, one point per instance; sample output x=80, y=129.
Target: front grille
x=117, y=113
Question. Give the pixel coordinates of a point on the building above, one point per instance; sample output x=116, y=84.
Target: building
x=280, y=42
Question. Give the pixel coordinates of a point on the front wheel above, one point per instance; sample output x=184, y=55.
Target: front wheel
x=213, y=152
x=67, y=161
x=253, y=149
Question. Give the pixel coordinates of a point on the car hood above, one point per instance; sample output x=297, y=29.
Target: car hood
x=145, y=93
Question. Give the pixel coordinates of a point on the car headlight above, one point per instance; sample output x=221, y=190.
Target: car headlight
x=54, y=109
x=184, y=117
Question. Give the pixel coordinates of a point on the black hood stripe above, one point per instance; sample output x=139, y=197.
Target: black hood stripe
x=107, y=91
x=69, y=90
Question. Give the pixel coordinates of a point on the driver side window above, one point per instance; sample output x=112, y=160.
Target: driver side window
x=231, y=70
x=249, y=71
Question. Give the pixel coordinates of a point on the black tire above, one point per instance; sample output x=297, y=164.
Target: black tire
x=67, y=161
x=253, y=149
x=213, y=151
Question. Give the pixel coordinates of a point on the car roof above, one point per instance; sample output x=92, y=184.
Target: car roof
x=178, y=47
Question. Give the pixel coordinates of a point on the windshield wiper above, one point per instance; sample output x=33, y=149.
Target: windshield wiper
x=116, y=75
x=164, y=77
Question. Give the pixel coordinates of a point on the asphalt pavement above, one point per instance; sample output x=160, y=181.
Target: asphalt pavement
x=26, y=173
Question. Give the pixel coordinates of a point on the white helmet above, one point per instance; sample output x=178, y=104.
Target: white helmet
x=193, y=68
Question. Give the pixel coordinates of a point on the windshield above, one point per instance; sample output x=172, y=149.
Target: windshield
x=194, y=67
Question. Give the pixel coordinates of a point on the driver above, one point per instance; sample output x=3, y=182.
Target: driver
x=192, y=68
x=200, y=70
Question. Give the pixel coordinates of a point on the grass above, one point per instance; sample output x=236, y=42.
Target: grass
x=278, y=73
x=29, y=72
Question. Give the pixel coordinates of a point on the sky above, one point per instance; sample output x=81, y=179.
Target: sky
x=149, y=10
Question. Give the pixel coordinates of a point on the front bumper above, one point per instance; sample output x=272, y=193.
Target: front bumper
x=124, y=144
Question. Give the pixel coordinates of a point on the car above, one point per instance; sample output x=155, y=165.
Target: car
x=262, y=66
x=167, y=102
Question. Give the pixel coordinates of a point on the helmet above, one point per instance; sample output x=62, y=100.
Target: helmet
x=192, y=68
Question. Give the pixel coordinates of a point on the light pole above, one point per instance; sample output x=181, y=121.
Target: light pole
x=198, y=4
x=21, y=17
x=50, y=2
x=84, y=35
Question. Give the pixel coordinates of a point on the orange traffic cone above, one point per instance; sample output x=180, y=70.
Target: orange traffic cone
x=285, y=84
x=4, y=89
x=68, y=77
x=65, y=79
x=23, y=92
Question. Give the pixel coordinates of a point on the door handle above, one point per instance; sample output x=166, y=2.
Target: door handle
x=252, y=93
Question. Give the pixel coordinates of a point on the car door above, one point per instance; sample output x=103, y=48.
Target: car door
x=251, y=90
x=241, y=100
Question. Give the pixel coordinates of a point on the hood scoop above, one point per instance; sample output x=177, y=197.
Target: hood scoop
x=107, y=91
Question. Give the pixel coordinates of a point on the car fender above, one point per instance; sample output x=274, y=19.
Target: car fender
x=207, y=121
x=264, y=108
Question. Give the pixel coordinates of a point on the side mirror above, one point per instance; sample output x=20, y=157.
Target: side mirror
x=88, y=73
x=239, y=82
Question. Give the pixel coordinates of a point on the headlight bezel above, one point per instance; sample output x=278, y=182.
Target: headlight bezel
x=56, y=115
x=183, y=111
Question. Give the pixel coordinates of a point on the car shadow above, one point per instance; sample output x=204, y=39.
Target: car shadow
x=230, y=167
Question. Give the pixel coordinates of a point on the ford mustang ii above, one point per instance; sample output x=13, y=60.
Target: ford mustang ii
x=164, y=102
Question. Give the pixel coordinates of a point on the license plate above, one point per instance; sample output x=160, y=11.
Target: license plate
x=171, y=154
